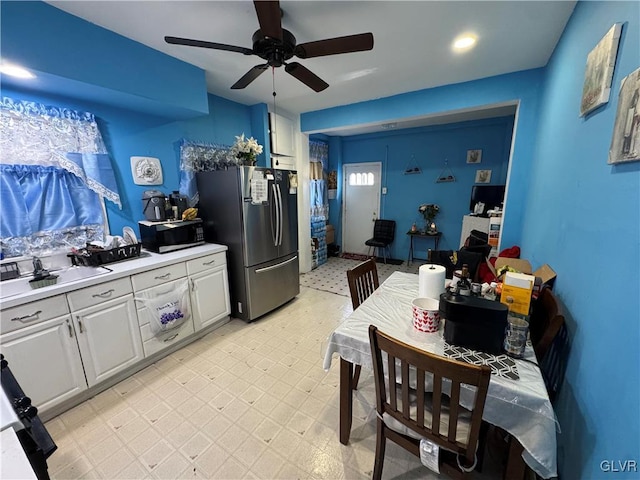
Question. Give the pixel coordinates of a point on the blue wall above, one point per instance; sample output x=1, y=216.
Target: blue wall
x=145, y=102
x=90, y=62
x=521, y=88
x=583, y=217
x=428, y=148
x=127, y=133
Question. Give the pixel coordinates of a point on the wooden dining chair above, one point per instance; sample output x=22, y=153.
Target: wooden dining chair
x=545, y=322
x=406, y=414
x=363, y=280
x=549, y=338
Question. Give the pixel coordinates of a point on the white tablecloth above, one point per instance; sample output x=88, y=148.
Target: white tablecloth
x=521, y=407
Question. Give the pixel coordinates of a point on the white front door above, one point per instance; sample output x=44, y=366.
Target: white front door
x=361, y=204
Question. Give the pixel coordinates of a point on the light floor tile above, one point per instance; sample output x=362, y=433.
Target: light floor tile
x=247, y=401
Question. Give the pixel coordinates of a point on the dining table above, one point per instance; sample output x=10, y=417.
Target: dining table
x=517, y=399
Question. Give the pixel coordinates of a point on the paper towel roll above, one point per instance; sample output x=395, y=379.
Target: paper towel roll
x=431, y=280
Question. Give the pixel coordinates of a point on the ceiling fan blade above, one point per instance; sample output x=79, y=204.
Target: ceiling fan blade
x=250, y=76
x=333, y=46
x=306, y=76
x=269, y=17
x=200, y=43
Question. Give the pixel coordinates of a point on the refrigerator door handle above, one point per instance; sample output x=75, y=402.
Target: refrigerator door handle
x=280, y=214
x=273, y=267
x=274, y=233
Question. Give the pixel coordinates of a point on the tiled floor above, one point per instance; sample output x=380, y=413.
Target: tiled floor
x=332, y=277
x=247, y=401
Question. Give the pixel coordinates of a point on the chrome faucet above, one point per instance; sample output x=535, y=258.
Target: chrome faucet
x=38, y=269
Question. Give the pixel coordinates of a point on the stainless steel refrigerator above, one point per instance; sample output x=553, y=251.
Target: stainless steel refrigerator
x=253, y=210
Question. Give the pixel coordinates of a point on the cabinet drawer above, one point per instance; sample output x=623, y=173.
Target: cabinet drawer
x=32, y=313
x=164, y=340
x=89, y=296
x=201, y=264
x=158, y=276
x=168, y=292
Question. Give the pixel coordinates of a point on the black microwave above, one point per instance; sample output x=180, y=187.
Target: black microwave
x=163, y=237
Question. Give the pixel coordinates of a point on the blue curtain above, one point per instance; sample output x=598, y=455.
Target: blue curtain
x=319, y=198
x=54, y=172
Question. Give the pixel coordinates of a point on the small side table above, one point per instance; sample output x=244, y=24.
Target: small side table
x=412, y=235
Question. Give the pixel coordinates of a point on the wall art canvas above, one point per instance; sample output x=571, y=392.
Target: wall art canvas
x=483, y=176
x=598, y=75
x=625, y=142
x=474, y=156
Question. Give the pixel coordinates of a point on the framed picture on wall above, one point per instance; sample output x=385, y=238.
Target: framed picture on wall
x=483, y=176
x=474, y=156
x=625, y=142
x=599, y=71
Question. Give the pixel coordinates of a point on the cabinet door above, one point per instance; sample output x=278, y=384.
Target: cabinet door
x=209, y=297
x=108, y=337
x=46, y=362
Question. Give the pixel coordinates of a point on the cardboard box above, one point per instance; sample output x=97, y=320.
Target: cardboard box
x=331, y=235
x=545, y=272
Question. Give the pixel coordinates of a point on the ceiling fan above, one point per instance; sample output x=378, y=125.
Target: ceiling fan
x=277, y=45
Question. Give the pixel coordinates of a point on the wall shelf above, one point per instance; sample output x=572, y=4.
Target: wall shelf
x=446, y=174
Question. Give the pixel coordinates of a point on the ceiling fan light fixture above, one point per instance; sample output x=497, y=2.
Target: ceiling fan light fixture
x=464, y=42
x=15, y=71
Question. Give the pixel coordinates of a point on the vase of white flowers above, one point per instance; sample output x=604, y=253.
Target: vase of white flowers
x=429, y=211
x=246, y=150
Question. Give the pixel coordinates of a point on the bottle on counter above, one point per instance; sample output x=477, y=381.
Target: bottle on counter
x=491, y=293
x=464, y=285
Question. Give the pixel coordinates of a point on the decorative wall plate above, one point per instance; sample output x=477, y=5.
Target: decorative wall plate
x=146, y=171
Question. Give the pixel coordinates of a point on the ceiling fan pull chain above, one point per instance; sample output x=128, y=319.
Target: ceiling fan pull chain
x=275, y=116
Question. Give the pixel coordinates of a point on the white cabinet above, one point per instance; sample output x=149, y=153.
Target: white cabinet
x=61, y=346
x=45, y=360
x=209, y=289
x=160, y=291
x=108, y=337
x=282, y=142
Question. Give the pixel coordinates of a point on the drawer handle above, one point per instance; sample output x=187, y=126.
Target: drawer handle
x=70, y=329
x=162, y=277
x=168, y=339
x=209, y=263
x=79, y=323
x=103, y=294
x=33, y=316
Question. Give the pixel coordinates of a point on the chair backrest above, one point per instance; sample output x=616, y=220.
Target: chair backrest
x=550, y=340
x=546, y=321
x=384, y=230
x=464, y=255
x=394, y=393
x=363, y=280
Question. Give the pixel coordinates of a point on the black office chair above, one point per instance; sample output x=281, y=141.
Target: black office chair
x=383, y=233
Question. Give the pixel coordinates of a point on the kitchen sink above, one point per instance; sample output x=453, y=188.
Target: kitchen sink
x=18, y=286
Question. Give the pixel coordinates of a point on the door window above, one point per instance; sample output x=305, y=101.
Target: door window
x=361, y=179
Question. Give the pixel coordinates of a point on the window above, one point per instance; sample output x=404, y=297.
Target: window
x=361, y=179
x=54, y=173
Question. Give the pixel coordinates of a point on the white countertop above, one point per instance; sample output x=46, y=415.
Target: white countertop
x=147, y=261
x=14, y=464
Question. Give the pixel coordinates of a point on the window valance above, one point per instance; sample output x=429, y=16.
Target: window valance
x=46, y=136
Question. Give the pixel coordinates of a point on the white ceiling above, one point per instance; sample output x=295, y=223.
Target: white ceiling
x=412, y=44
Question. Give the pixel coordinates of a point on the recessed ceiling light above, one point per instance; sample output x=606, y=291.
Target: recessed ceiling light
x=15, y=71
x=464, y=42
